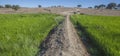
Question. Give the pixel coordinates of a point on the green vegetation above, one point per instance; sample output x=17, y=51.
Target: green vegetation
x=21, y=34
x=79, y=6
x=15, y=7
x=104, y=31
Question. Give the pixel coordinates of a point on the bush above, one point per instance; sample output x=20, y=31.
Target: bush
x=15, y=7
x=8, y=6
x=1, y=6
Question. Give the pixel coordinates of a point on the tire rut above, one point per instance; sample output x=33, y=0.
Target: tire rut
x=63, y=41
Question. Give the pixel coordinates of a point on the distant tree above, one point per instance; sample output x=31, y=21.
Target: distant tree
x=79, y=6
x=90, y=7
x=1, y=6
x=8, y=6
x=118, y=5
x=39, y=6
x=15, y=7
x=59, y=6
x=102, y=6
x=53, y=6
x=111, y=5
x=96, y=7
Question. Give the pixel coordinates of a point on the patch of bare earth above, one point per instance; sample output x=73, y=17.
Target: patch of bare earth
x=62, y=9
x=63, y=41
x=106, y=12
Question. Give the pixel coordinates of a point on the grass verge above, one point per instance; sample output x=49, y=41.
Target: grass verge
x=21, y=34
x=103, y=31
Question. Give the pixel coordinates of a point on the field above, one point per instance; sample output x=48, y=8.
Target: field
x=21, y=34
x=104, y=31
x=62, y=9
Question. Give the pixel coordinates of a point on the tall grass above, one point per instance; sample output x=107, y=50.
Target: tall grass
x=104, y=31
x=21, y=34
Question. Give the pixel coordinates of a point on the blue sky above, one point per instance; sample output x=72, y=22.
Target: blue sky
x=66, y=3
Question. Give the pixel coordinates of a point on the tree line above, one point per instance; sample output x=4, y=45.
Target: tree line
x=15, y=7
x=102, y=6
x=109, y=6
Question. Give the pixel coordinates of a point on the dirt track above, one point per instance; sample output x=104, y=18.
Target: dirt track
x=63, y=41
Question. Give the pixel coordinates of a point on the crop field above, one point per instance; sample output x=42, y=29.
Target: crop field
x=104, y=31
x=21, y=34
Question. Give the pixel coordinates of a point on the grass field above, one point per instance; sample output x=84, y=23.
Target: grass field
x=104, y=31
x=21, y=34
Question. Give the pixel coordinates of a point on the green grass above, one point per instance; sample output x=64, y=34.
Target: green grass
x=21, y=34
x=104, y=31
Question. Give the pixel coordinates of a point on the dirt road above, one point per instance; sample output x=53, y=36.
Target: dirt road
x=63, y=41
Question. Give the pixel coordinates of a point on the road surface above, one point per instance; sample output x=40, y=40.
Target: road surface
x=63, y=41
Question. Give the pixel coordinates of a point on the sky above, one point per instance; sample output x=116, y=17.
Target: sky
x=66, y=3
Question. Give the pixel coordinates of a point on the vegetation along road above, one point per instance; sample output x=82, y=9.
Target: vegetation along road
x=103, y=31
x=21, y=34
